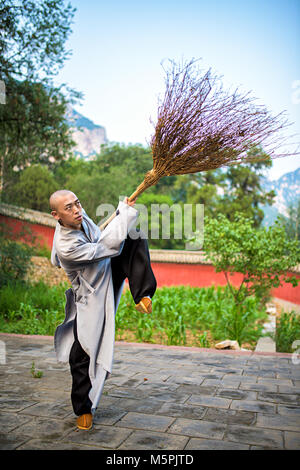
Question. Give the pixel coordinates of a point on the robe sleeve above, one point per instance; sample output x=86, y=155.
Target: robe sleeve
x=110, y=242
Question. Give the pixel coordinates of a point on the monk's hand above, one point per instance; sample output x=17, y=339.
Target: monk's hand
x=130, y=203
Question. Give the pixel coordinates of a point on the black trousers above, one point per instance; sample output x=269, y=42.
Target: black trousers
x=133, y=263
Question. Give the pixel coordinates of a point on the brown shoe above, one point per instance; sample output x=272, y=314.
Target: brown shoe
x=145, y=305
x=85, y=421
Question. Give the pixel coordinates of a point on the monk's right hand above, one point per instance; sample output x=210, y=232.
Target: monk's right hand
x=131, y=203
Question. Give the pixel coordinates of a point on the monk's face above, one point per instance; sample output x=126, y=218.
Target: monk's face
x=68, y=211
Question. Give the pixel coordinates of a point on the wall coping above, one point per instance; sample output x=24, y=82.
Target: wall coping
x=159, y=256
x=30, y=215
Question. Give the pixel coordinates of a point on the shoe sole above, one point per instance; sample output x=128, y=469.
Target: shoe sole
x=140, y=308
x=85, y=429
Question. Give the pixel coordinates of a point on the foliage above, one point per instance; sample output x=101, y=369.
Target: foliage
x=179, y=313
x=243, y=191
x=35, y=34
x=36, y=374
x=32, y=50
x=157, y=219
x=263, y=256
x=33, y=188
x=177, y=310
x=14, y=258
x=292, y=220
x=287, y=331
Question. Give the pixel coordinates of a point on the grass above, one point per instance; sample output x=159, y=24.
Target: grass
x=182, y=315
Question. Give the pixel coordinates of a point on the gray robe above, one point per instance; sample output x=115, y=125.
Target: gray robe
x=85, y=257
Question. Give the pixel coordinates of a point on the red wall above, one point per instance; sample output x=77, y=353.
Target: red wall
x=169, y=274
x=43, y=233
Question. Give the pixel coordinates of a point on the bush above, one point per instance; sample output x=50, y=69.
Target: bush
x=14, y=260
x=287, y=331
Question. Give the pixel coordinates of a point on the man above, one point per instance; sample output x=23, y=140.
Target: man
x=96, y=263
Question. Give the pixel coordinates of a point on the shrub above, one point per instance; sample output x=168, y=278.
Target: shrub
x=287, y=331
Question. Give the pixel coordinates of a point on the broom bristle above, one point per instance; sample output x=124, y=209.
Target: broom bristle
x=200, y=126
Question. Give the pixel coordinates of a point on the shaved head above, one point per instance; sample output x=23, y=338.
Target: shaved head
x=66, y=208
x=55, y=197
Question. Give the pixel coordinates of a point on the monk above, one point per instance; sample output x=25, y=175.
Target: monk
x=97, y=264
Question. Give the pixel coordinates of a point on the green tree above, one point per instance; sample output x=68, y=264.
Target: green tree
x=263, y=256
x=243, y=192
x=32, y=50
x=158, y=213
x=114, y=173
x=292, y=220
x=33, y=189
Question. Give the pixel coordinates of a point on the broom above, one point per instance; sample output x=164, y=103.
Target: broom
x=200, y=127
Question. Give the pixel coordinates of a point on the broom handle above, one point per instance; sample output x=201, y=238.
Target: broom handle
x=134, y=195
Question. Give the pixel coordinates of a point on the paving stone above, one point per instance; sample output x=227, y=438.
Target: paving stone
x=195, y=381
x=10, y=421
x=140, y=406
x=285, y=423
x=121, y=392
x=157, y=386
x=51, y=409
x=209, y=401
x=212, y=444
x=256, y=406
x=289, y=389
x=266, y=374
x=103, y=437
x=145, y=421
x=140, y=440
x=197, y=428
x=279, y=398
x=159, y=377
x=228, y=371
x=292, y=440
x=108, y=415
x=198, y=390
x=11, y=442
x=229, y=416
x=47, y=428
x=212, y=382
x=169, y=396
x=236, y=394
x=253, y=435
x=266, y=381
x=258, y=387
x=14, y=404
x=181, y=411
x=288, y=410
x=43, y=444
x=187, y=401
x=228, y=384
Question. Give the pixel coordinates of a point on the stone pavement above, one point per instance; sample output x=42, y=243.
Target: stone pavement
x=156, y=398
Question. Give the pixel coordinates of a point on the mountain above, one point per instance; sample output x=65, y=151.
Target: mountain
x=87, y=135
x=287, y=189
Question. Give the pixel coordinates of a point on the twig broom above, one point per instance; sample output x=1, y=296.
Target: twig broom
x=202, y=127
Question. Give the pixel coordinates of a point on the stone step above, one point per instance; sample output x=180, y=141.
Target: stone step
x=266, y=344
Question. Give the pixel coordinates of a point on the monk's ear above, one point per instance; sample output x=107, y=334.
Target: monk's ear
x=55, y=215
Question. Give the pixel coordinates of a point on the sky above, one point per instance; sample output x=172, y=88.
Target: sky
x=118, y=48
